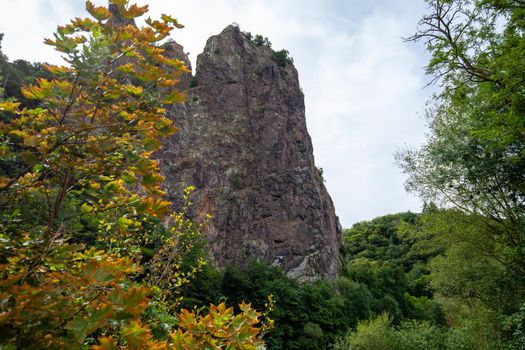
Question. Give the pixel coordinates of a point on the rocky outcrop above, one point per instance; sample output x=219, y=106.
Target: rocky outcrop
x=244, y=145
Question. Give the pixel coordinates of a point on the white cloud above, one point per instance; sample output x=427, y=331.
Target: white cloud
x=361, y=82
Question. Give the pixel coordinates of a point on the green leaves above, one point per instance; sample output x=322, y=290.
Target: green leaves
x=474, y=156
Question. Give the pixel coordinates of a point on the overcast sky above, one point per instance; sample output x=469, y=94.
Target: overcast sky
x=364, y=87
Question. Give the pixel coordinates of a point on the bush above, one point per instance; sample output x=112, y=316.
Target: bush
x=282, y=58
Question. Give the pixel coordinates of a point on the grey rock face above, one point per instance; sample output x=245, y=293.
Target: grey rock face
x=244, y=145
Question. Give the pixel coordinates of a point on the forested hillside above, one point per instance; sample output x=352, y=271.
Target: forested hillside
x=92, y=256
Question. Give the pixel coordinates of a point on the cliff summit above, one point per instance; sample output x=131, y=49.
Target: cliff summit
x=244, y=145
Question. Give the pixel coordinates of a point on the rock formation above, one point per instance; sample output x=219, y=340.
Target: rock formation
x=244, y=145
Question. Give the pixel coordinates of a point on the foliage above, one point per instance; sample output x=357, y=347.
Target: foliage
x=258, y=39
x=473, y=161
x=475, y=154
x=218, y=328
x=282, y=58
x=194, y=82
x=384, y=269
x=370, y=335
x=83, y=249
x=380, y=333
x=385, y=255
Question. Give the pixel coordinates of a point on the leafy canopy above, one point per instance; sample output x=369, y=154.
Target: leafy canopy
x=82, y=198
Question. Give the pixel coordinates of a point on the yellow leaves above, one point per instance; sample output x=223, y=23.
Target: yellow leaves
x=134, y=90
x=160, y=27
x=45, y=88
x=9, y=106
x=101, y=13
x=28, y=179
x=219, y=328
x=134, y=11
x=83, y=24
x=169, y=19
x=94, y=185
x=127, y=68
x=33, y=92
x=80, y=39
x=124, y=222
x=115, y=187
x=152, y=51
x=119, y=2
x=174, y=96
x=55, y=69
x=86, y=208
x=176, y=65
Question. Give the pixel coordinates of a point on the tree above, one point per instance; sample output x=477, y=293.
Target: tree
x=475, y=153
x=282, y=58
x=474, y=158
x=85, y=196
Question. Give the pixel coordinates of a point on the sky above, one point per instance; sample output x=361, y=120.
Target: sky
x=364, y=86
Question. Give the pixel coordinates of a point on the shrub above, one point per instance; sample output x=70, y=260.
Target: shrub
x=282, y=58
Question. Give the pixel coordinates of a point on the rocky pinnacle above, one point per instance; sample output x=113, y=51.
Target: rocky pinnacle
x=244, y=145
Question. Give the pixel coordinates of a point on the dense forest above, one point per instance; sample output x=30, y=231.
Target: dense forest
x=87, y=262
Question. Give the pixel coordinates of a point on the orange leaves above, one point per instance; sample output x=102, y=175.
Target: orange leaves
x=166, y=83
x=219, y=328
x=101, y=13
x=98, y=272
x=69, y=297
x=55, y=69
x=134, y=11
x=106, y=343
x=136, y=335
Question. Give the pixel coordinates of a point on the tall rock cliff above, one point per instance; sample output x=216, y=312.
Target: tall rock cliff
x=244, y=145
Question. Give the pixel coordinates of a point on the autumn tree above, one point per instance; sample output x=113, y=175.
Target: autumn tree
x=83, y=196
